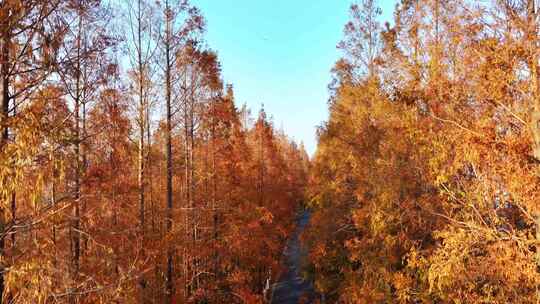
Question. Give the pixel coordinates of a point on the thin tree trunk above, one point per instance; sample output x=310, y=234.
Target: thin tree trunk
x=149, y=169
x=82, y=173
x=75, y=226
x=195, y=218
x=170, y=282
x=142, y=125
x=13, y=195
x=187, y=193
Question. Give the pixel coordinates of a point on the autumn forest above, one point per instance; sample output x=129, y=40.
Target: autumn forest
x=130, y=172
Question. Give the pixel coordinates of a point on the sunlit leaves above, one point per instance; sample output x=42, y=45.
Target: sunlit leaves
x=427, y=172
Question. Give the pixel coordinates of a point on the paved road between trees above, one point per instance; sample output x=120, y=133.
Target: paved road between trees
x=291, y=287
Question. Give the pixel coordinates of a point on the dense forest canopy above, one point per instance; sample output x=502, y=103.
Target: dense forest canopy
x=425, y=184
x=127, y=172
x=130, y=174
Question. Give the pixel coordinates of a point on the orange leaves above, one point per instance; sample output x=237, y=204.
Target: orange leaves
x=266, y=216
x=423, y=184
x=79, y=223
x=33, y=280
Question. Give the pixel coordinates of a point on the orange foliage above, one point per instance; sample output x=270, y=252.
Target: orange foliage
x=425, y=182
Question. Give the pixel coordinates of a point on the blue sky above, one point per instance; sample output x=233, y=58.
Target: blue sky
x=280, y=53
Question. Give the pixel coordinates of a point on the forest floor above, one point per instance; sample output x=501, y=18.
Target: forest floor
x=291, y=287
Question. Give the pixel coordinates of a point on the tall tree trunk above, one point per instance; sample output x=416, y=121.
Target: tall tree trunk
x=84, y=163
x=170, y=283
x=75, y=225
x=194, y=207
x=187, y=198
x=142, y=126
x=13, y=195
x=150, y=181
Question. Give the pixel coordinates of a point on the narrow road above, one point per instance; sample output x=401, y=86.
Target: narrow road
x=291, y=287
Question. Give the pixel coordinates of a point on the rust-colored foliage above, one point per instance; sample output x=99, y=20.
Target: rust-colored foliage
x=83, y=161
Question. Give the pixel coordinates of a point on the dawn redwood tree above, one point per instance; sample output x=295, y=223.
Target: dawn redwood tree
x=141, y=50
x=29, y=40
x=82, y=73
x=181, y=23
x=427, y=174
x=68, y=95
x=362, y=43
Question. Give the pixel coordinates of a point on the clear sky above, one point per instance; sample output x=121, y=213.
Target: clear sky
x=280, y=52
